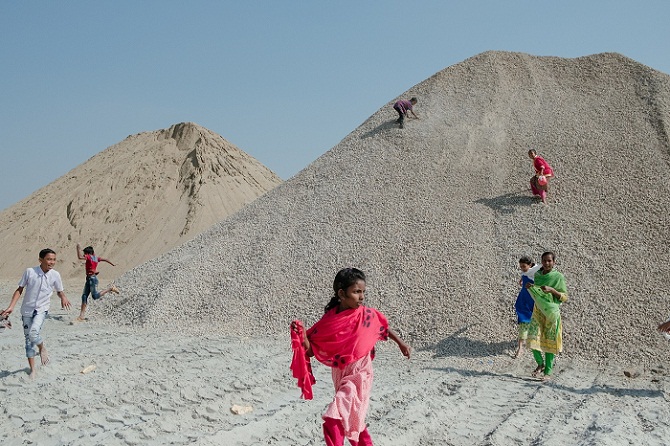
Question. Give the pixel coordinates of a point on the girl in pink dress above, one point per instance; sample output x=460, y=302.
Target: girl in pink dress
x=539, y=183
x=343, y=339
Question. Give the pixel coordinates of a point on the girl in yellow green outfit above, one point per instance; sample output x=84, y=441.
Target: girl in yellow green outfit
x=545, y=333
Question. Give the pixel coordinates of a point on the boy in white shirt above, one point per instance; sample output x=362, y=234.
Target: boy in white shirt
x=39, y=283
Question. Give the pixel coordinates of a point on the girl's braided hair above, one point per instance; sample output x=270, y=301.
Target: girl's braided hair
x=343, y=280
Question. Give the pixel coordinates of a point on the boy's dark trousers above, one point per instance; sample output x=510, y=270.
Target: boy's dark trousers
x=401, y=118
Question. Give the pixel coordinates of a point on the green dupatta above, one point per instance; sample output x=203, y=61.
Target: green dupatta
x=547, y=303
x=545, y=330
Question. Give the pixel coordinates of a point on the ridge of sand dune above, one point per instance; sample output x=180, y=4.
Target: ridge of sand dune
x=438, y=214
x=133, y=201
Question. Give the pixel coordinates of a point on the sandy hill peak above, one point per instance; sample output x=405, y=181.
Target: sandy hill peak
x=133, y=201
x=438, y=214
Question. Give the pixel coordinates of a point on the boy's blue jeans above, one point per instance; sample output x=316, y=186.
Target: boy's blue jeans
x=91, y=287
x=32, y=328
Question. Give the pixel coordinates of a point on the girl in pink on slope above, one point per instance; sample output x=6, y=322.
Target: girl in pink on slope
x=539, y=183
x=343, y=339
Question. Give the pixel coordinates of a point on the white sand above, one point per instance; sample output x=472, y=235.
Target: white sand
x=157, y=389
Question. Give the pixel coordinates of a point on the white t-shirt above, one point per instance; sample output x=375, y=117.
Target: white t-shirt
x=38, y=287
x=531, y=272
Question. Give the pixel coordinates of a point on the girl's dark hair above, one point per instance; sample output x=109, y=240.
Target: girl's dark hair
x=45, y=251
x=526, y=261
x=533, y=151
x=343, y=280
x=549, y=253
x=415, y=100
x=89, y=250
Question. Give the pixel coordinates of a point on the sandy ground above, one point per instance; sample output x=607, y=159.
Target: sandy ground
x=154, y=389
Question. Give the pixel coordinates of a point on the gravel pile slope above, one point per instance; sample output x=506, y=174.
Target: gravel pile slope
x=437, y=215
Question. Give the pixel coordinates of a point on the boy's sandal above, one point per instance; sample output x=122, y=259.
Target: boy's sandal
x=538, y=370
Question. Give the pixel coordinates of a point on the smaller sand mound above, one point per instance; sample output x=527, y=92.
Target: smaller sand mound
x=133, y=201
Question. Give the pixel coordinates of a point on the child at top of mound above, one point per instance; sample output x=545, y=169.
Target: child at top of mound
x=402, y=107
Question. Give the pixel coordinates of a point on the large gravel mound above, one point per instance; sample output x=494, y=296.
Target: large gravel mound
x=437, y=215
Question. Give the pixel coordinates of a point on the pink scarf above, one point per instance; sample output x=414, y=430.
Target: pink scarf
x=300, y=365
x=337, y=339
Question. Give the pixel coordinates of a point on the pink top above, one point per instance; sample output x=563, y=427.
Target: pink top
x=540, y=163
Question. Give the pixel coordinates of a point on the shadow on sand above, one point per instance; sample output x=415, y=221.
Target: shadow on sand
x=6, y=373
x=457, y=345
x=593, y=389
x=509, y=203
x=387, y=125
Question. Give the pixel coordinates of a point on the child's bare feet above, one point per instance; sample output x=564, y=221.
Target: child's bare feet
x=44, y=356
x=518, y=351
x=114, y=289
x=546, y=378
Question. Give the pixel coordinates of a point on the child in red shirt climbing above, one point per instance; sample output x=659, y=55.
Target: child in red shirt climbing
x=539, y=183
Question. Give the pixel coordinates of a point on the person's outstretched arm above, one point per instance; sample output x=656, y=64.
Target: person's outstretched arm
x=12, y=304
x=79, y=254
x=64, y=303
x=305, y=341
x=404, y=348
x=101, y=259
x=308, y=347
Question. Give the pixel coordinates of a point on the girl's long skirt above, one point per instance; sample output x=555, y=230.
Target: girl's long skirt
x=353, y=385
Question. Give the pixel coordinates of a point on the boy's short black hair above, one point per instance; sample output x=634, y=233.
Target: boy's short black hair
x=45, y=252
x=89, y=250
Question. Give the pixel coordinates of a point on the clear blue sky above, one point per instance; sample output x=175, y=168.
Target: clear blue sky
x=284, y=81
